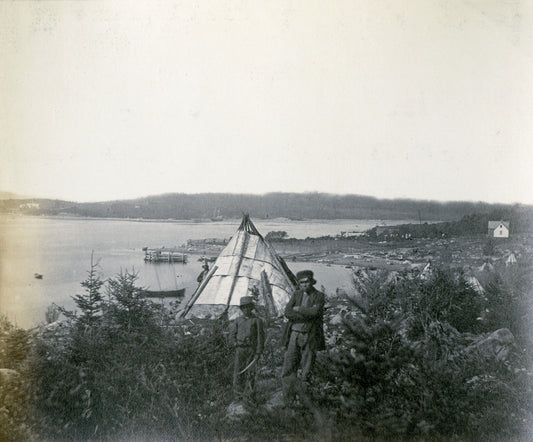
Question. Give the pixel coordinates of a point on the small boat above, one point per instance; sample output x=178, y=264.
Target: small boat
x=164, y=293
x=37, y=276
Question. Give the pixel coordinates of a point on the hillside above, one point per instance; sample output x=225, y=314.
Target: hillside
x=520, y=219
x=272, y=205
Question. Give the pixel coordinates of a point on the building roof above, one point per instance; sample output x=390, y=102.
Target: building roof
x=496, y=224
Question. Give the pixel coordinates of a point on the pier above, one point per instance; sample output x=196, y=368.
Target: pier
x=164, y=255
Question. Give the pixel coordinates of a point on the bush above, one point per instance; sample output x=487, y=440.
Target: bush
x=508, y=302
x=128, y=369
x=15, y=399
x=401, y=366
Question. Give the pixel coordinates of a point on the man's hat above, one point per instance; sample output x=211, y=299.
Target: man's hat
x=246, y=300
x=306, y=274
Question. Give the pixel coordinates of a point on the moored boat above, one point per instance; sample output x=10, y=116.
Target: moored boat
x=164, y=293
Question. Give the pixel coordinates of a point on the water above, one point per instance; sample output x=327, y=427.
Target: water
x=60, y=250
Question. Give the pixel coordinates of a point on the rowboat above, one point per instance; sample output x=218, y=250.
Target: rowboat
x=164, y=293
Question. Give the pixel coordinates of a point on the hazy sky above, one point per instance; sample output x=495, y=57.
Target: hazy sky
x=426, y=99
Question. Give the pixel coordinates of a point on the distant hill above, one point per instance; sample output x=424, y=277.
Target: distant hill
x=299, y=206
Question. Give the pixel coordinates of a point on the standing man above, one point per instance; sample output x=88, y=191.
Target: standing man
x=248, y=337
x=304, y=333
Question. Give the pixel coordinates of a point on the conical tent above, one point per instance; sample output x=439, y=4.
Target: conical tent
x=427, y=271
x=475, y=284
x=248, y=266
x=486, y=267
x=511, y=259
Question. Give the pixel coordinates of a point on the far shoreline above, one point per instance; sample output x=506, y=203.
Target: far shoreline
x=389, y=222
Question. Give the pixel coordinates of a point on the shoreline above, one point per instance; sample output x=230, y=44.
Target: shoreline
x=459, y=252
x=385, y=222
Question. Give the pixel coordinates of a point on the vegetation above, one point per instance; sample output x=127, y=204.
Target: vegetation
x=277, y=235
x=404, y=360
x=521, y=221
x=15, y=399
x=408, y=365
x=271, y=205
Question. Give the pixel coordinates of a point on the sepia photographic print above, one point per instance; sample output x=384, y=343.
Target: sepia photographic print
x=282, y=220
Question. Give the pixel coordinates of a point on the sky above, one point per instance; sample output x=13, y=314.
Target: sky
x=423, y=99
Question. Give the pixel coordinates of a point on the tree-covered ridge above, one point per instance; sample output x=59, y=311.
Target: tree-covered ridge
x=297, y=206
x=520, y=221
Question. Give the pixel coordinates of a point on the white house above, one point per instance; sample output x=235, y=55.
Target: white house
x=29, y=206
x=499, y=229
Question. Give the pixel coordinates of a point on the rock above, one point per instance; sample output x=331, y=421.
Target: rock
x=339, y=292
x=495, y=346
x=7, y=375
x=337, y=319
x=275, y=401
x=332, y=339
x=236, y=411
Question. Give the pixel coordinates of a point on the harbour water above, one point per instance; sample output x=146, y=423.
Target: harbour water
x=60, y=249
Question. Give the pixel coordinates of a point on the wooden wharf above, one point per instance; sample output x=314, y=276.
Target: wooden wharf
x=164, y=255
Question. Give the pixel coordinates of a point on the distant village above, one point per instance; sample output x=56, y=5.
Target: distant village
x=396, y=248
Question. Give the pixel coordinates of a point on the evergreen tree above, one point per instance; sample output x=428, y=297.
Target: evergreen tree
x=90, y=303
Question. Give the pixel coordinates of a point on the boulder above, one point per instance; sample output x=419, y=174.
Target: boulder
x=7, y=375
x=337, y=319
x=236, y=411
x=494, y=346
x=275, y=401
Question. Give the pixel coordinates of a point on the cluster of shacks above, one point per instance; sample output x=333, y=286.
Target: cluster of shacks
x=248, y=266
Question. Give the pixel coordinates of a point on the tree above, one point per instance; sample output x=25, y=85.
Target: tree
x=90, y=303
x=278, y=235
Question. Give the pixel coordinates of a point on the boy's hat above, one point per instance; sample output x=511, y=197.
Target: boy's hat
x=246, y=300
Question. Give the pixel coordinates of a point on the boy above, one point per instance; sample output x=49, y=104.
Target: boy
x=248, y=337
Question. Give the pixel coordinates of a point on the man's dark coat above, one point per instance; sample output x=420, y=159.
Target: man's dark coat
x=312, y=315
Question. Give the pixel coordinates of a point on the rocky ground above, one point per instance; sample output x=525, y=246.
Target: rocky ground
x=459, y=252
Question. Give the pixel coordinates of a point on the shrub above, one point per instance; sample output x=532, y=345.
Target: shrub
x=15, y=399
x=508, y=302
x=128, y=369
x=401, y=366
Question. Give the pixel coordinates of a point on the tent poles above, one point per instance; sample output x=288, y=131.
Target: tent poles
x=196, y=294
x=267, y=294
x=234, y=282
x=284, y=270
